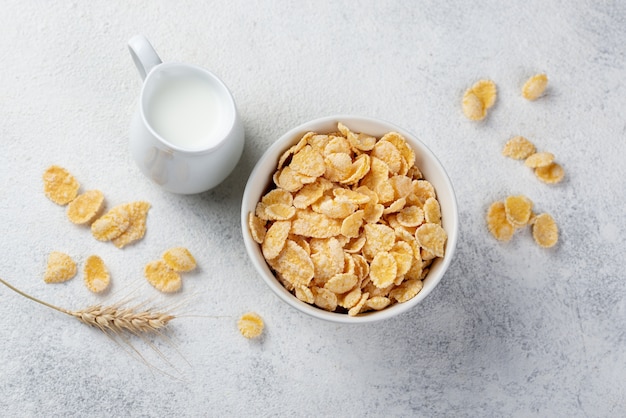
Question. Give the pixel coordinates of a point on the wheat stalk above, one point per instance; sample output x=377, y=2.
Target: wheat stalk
x=113, y=319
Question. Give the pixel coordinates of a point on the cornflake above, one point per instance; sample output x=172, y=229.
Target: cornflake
x=250, y=325
x=539, y=159
x=518, y=148
x=59, y=185
x=112, y=224
x=550, y=174
x=497, y=222
x=96, y=274
x=503, y=218
x=478, y=99
x=518, y=210
x=163, y=278
x=137, y=213
x=179, y=259
x=84, y=208
x=545, y=230
x=60, y=268
x=535, y=86
x=350, y=220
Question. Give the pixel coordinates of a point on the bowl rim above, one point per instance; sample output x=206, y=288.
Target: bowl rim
x=252, y=191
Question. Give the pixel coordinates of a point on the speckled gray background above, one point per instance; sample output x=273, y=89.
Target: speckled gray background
x=512, y=330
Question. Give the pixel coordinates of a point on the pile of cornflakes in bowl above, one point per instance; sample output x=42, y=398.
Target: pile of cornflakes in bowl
x=350, y=219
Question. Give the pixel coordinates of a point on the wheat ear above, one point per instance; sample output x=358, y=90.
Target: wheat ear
x=111, y=319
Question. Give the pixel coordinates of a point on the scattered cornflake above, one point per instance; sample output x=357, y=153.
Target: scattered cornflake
x=535, y=86
x=497, y=223
x=545, y=230
x=518, y=148
x=162, y=277
x=96, y=274
x=504, y=217
x=250, y=325
x=59, y=185
x=112, y=224
x=478, y=99
x=539, y=159
x=138, y=212
x=85, y=207
x=518, y=210
x=550, y=174
x=179, y=259
x=60, y=268
x=342, y=227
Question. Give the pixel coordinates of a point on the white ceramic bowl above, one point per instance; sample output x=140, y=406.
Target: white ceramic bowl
x=431, y=168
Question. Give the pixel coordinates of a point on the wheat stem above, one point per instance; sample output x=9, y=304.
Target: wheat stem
x=113, y=319
x=34, y=299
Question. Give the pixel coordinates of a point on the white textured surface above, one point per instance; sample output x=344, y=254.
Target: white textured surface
x=512, y=330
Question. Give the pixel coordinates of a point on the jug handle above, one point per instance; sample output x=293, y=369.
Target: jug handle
x=144, y=55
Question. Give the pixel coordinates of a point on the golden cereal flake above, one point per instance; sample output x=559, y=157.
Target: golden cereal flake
x=250, y=325
x=84, y=208
x=308, y=194
x=377, y=303
x=389, y=154
x=275, y=239
x=518, y=148
x=96, y=274
x=432, y=211
x=257, y=228
x=518, y=210
x=325, y=299
x=410, y=216
x=497, y=223
x=179, y=259
x=356, y=309
x=403, y=254
x=378, y=238
x=316, y=225
x=478, y=99
x=294, y=264
x=60, y=268
x=112, y=224
x=539, y=159
x=162, y=277
x=473, y=107
x=407, y=290
x=545, y=230
x=280, y=212
x=486, y=91
x=383, y=269
x=422, y=191
x=308, y=161
x=328, y=259
x=535, y=86
x=59, y=185
x=432, y=238
x=550, y=174
x=138, y=212
x=341, y=283
x=305, y=294
x=277, y=196
x=351, y=225
x=400, y=143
